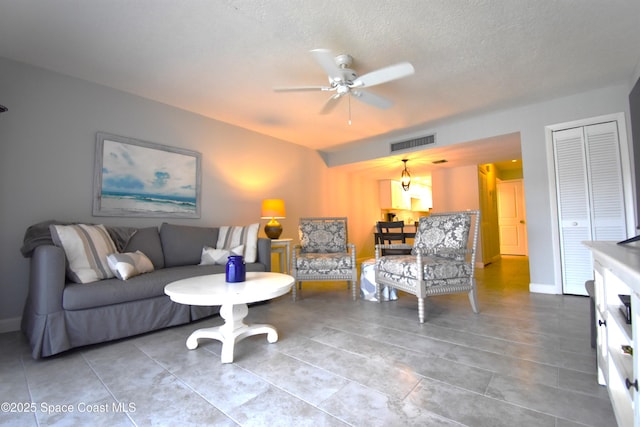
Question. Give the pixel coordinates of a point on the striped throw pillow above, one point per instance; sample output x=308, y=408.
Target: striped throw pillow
x=86, y=248
x=231, y=237
x=219, y=256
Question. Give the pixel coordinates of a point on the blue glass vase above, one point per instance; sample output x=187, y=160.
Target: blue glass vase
x=236, y=270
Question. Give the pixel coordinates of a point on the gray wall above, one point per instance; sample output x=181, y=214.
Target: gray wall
x=530, y=121
x=47, y=142
x=47, y=148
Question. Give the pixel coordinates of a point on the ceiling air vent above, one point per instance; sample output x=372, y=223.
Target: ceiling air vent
x=413, y=143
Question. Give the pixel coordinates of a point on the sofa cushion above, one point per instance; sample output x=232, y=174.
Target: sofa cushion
x=147, y=241
x=115, y=291
x=219, y=256
x=182, y=244
x=86, y=248
x=231, y=237
x=129, y=264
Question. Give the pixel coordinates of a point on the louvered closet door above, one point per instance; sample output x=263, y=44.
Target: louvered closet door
x=590, y=197
x=573, y=209
x=605, y=172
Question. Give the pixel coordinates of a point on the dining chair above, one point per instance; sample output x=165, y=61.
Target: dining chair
x=392, y=238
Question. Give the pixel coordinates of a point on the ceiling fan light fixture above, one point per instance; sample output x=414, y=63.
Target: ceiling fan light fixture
x=405, y=178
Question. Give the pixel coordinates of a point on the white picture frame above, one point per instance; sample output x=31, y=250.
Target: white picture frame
x=145, y=179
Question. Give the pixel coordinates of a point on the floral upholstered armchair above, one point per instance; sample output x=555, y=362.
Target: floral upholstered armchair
x=324, y=253
x=442, y=259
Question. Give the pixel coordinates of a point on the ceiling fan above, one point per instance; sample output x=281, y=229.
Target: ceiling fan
x=345, y=81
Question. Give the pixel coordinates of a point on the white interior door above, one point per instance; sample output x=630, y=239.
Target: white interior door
x=512, y=218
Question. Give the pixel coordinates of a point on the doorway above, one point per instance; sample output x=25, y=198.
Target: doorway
x=512, y=223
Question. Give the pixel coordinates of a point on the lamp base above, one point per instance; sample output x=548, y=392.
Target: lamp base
x=273, y=229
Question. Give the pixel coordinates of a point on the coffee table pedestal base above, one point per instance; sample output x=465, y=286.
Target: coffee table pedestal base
x=233, y=330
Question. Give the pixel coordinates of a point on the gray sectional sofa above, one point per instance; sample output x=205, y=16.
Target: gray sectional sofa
x=60, y=315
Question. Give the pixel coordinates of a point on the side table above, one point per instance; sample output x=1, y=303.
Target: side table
x=368, y=283
x=283, y=248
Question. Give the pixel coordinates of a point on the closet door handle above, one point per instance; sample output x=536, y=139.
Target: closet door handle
x=631, y=384
x=602, y=322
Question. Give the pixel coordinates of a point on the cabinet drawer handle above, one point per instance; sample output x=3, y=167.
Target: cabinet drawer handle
x=602, y=322
x=631, y=384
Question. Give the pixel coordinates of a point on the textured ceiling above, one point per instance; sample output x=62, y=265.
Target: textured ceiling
x=222, y=58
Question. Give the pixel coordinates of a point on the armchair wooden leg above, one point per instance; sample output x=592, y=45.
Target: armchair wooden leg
x=421, y=310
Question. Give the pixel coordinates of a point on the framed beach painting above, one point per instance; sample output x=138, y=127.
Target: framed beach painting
x=139, y=178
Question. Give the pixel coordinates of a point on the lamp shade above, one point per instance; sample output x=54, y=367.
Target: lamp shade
x=273, y=208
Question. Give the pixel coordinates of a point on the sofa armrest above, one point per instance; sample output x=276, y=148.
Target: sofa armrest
x=264, y=252
x=47, y=279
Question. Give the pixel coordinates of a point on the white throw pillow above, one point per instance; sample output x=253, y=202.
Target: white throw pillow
x=232, y=237
x=86, y=248
x=218, y=256
x=129, y=264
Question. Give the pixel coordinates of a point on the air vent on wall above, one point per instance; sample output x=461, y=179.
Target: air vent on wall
x=413, y=143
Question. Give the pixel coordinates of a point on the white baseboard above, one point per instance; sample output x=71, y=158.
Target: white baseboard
x=10, y=325
x=543, y=289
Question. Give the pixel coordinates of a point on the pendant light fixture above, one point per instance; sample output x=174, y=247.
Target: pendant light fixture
x=406, y=177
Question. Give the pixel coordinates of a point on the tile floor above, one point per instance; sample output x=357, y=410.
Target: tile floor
x=525, y=360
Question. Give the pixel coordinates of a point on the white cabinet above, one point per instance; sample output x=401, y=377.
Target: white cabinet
x=590, y=196
x=617, y=272
x=421, y=197
x=392, y=196
x=417, y=198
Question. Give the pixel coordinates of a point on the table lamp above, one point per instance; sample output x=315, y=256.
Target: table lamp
x=273, y=209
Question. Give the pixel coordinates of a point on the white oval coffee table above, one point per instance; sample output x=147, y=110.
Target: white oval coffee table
x=233, y=298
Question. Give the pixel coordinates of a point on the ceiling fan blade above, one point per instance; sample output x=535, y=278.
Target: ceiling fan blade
x=372, y=99
x=383, y=75
x=327, y=61
x=300, y=88
x=330, y=104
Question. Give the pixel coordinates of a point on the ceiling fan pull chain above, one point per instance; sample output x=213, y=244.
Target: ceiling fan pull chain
x=349, y=110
